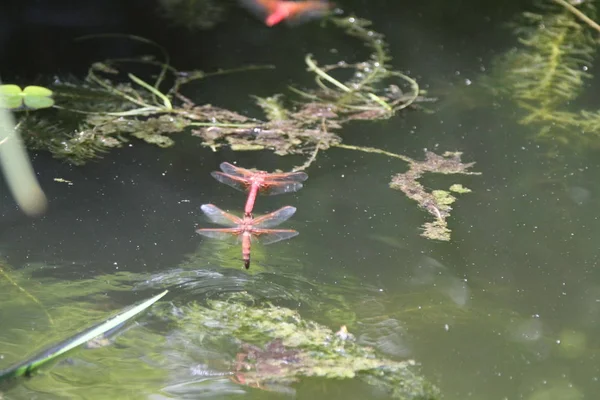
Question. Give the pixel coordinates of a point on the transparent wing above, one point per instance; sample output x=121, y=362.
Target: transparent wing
x=280, y=187
x=231, y=169
x=234, y=181
x=228, y=234
x=288, y=176
x=218, y=216
x=268, y=236
x=274, y=218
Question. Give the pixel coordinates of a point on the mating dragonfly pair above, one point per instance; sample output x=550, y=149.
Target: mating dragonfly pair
x=248, y=227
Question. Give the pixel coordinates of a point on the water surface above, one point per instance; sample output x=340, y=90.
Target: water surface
x=508, y=309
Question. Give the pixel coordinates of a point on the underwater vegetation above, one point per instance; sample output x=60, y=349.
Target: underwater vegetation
x=28, y=367
x=113, y=106
x=225, y=336
x=437, y=202
x=245, y=332
x=547, y=73
x=278, y=347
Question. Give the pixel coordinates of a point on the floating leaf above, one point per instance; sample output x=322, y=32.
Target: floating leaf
x=12, y=96
x=32, y=97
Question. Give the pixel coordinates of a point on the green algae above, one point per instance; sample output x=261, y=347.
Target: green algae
x=285, y=347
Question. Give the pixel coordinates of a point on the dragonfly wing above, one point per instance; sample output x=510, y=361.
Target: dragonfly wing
x=289, y=176
x=236, y=171
x=218, y=216
x=227, y=234
x=232, y=180
x=268, y=236
x=281, y=187
x=274, y=218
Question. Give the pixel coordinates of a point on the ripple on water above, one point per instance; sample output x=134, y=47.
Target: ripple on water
x=387, y=336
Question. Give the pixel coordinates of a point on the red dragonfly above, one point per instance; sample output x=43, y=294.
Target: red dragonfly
x=258, y=181
x=276, y=11
x=248, y=227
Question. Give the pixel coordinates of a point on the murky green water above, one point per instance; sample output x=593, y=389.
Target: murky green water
x=509, y=309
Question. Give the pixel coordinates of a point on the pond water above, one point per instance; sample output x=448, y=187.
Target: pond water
x=508, y=309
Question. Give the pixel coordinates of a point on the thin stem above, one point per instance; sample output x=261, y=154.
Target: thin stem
x=578, y=14
x=373, y=150
x=304, y=94
x=321, y=74
x=143, y=111
x=310, y=160
x=219, y=125
x=32, y=297
x=156, y=92
x=413, y=85
x=195, y=75
x=166, y=64
x=313, y=67
x=116, y=91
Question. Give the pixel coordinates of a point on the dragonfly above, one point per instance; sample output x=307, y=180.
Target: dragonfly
x=276, y=11
x=248, y=227
x=258, y=181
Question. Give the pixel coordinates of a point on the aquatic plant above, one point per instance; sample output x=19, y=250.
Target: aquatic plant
x=156, y=360
x=548, y=71
x=279, y=347
x=28, y=367
x=437, y=202
x=104, y=112
x=307, y=128
x=32, y=97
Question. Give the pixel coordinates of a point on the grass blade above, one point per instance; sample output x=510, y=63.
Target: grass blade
x=27, y=367
x=152, y=90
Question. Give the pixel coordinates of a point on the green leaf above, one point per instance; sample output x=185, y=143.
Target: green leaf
x=37, y=91
x=12, y=96
x=32, y=97
x=27, y=367
x=36, y=97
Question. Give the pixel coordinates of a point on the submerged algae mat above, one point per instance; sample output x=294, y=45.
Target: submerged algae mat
x=278, y=347
x=225, y=345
